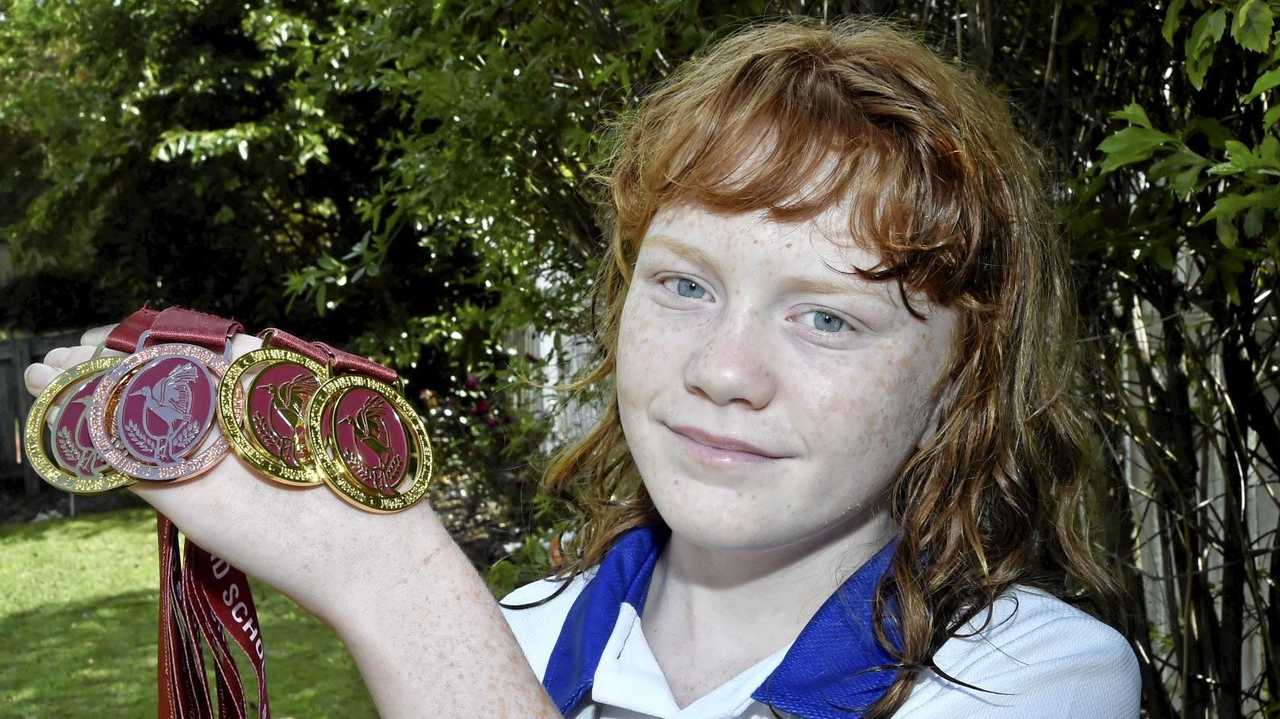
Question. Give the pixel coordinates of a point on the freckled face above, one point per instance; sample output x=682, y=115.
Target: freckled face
x=766, y=398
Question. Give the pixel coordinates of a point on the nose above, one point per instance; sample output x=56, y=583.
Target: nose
x=734, y=364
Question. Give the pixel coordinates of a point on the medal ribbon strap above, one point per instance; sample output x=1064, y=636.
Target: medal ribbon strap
x=184, y=693
x=230, y=693
x=223, y=601
x=124, y=337
x=179, y=324
x=338, y=361
x=205, y=594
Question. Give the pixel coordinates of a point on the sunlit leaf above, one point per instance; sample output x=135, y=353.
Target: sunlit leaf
x=1132, y=144
x=1134, y=114
x=1265, y=82
x=1252, y=25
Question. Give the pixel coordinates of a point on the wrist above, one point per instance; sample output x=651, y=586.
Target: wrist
x=390, y=572
x=430, y=634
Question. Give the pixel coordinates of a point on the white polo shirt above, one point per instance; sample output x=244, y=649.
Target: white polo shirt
x=1038, y=658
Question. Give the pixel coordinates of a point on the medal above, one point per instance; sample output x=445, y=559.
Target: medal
x=298, y=425
x=152, y=415
x=371, y=447
x=74, y=464
x=265, y=424
x=152, y=412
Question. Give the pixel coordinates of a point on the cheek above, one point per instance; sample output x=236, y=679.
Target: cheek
x=870, y=413
x=639, y=355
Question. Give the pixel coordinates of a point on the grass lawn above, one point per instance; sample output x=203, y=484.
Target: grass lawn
x=78, y=628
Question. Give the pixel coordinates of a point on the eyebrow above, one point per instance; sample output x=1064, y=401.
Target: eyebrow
x=811, y=285
x=676, y=247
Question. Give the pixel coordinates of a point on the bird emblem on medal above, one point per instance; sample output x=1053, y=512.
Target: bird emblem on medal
x=277, y=411
x=73, y=446
x=373, y=443
x=166, y=409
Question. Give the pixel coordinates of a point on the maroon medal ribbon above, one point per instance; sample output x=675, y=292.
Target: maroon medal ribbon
x=124, y=336
x=338, y=361
x=203, y=596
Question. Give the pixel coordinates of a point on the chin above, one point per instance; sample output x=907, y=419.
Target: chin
x=729, y=519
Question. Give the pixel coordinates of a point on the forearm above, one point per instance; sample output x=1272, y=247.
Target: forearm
x=432, y=641
x=426, y=634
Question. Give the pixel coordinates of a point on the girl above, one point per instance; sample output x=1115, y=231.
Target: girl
x=839, y=473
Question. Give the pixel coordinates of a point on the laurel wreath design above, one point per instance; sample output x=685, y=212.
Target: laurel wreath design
x=190, y=431
x=140, y=439
x=66, y=447
x=277, y=444
x=382, y=478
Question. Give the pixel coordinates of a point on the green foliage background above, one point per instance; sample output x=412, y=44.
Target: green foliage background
x=413, y=181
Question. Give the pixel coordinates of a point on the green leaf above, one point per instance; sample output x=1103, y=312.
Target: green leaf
x=1184, y=183
x=1265, y=159
x=1132, y=144
x=1226, y=206
x=1265, y=82
x=1197, y=67
x=1240, y=155
x=1273, y=115
x=1181, y=169
x=1229, y=205
x=1227, y=274
x=1269, y=151
x=1207, y=31
x=1253, y=221
x=1171, y=17
x=1227, y=233
x=1134, y=114
x=1202, y=42
x=1252, y=26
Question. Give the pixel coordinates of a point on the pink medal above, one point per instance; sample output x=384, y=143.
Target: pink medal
x=152, y=415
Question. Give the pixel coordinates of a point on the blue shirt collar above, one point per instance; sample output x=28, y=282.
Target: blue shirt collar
x=835, y=669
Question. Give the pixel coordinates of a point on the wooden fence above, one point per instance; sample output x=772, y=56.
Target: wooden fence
x=15, y=401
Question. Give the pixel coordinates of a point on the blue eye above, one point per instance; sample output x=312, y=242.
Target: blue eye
x=686, y=287
x=827, y=322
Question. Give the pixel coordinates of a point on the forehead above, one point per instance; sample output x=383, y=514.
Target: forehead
x=826, y=236
x=821, y=249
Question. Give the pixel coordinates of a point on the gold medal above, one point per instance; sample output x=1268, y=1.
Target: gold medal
x=74, y=465
x=369, y=444
x=267, y=428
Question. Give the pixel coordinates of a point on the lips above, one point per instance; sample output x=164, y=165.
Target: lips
x=728, y=444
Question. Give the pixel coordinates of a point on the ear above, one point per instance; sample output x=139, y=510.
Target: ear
x=941, y=404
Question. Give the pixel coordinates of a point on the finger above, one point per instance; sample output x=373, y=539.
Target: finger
x=75, y=355
x=38, y=376
x=243, y=343
x=97, y=335
x=56, y=357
